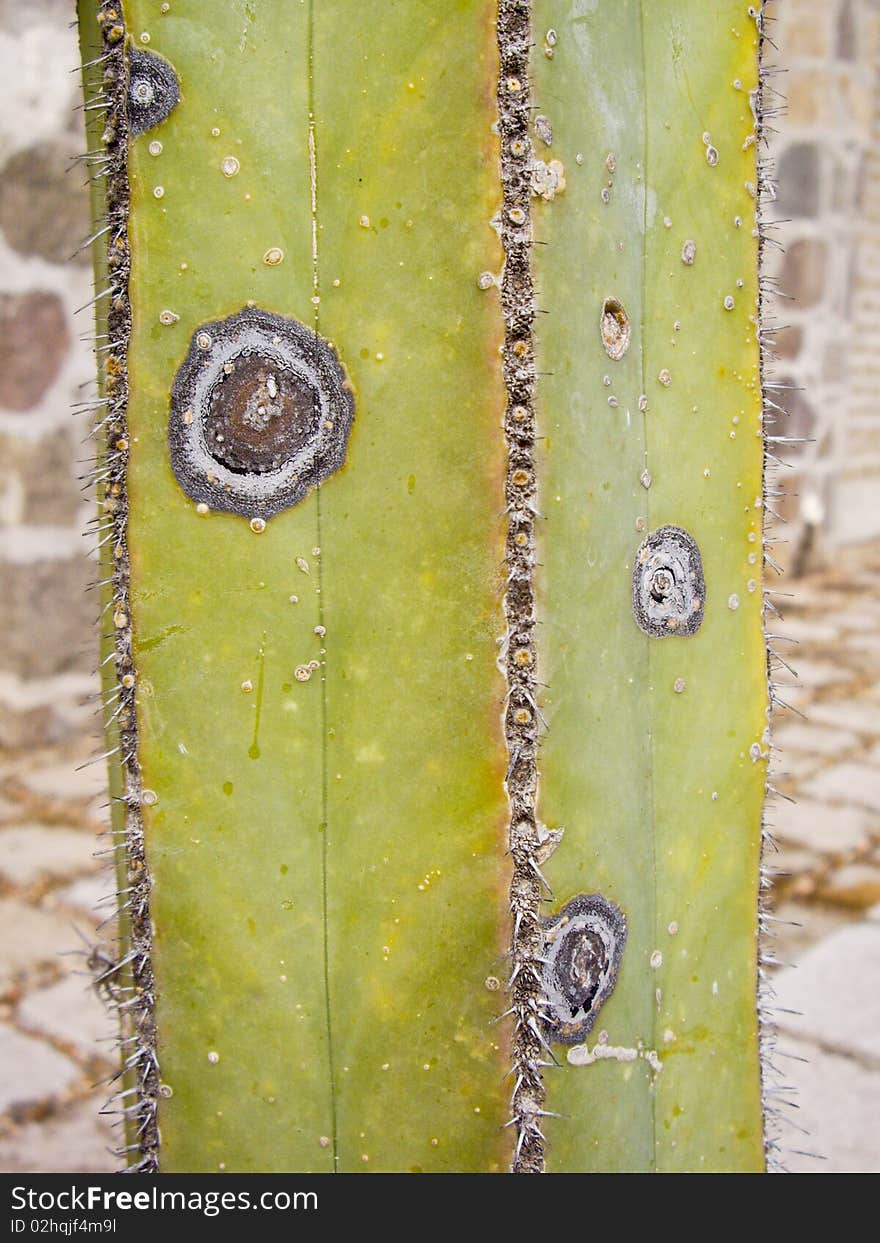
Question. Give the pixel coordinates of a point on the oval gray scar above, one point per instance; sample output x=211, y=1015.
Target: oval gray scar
x=668, y=586
x=583, y=947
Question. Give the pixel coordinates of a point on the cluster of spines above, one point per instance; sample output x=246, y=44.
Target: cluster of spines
x=776, y=1093
x=124, y=978
x=522, y=717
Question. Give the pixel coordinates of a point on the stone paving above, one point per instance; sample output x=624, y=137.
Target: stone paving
x=827, y=892
x=57, y=1042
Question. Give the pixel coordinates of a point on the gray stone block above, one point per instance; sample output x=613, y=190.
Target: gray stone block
x=814, y=738
x=77, y=1140
x=819, y=826
x=859, y=715
x=814, y=674
x=31, y=1071
x=838, y=1107
x=34, y=341
x=32, y=852
x=847, y=783
x=48, y=598
x=798, y=176
x=798, y=926
x=835, y=989
x=90, y=895
x=67, y=780
x=72, y=1013
x=30, y=938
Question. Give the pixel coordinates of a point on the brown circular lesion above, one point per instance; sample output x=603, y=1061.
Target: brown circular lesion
x=260, y=414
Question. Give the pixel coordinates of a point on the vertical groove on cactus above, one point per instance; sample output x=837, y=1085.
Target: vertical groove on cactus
x=521, y=717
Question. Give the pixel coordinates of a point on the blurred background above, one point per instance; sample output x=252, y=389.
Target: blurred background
x=56, y=1043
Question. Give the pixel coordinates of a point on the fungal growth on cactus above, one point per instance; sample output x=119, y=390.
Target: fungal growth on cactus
x=261, y=410
x=668, y=587
x=583, y=947
x=153, y=91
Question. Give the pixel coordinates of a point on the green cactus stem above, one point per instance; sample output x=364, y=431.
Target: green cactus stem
x=655, y=756
x=430, y=349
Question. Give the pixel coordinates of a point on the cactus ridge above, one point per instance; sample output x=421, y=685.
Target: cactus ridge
x=127, y=980
x=773, y=1081
x=521, y=716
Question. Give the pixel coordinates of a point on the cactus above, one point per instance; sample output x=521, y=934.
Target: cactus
x=381, y=379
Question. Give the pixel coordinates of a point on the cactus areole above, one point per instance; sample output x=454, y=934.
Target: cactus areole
x=438, y=780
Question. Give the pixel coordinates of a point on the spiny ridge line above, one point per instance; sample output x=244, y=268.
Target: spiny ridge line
x=126, y=979
x=521, y=713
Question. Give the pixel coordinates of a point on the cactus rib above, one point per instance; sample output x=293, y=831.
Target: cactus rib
x=130, y=979
x=521, y=720
x=651, y=117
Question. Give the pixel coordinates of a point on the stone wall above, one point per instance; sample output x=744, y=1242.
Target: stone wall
x=825, y=148
x=56, y=1041
x=46, y=615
